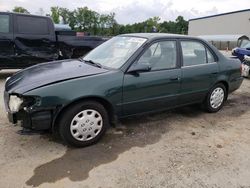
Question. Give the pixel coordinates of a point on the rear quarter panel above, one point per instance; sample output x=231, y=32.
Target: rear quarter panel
x=230, y=71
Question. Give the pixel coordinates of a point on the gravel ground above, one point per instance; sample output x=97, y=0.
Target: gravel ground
x=181, y=148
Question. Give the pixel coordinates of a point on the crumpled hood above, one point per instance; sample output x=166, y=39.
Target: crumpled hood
x=48, y=73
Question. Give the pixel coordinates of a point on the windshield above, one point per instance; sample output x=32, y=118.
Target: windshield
x=115, y=52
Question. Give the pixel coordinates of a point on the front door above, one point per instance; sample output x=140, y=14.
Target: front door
x=158, y=88
x=6, y=40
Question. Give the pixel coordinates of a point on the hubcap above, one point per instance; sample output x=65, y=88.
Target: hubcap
x=217, y=97
x=86, y=125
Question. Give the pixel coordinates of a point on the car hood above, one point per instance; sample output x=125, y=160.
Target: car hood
x=48, y=73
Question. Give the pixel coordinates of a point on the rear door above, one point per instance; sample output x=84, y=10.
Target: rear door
x=34, y=39
x=6, y=40
x=199, y=70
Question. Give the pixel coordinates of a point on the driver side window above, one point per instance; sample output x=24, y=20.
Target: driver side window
x=160, y=55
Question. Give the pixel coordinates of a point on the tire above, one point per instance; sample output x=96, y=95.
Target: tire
x=214, y=103
x=83, y=124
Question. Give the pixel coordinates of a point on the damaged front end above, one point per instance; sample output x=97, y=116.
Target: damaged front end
x=26, y=110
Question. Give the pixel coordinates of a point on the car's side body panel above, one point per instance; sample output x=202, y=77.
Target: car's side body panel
x=127, y=93
x=230, y=73
x=106, y=86
x=196, y=81
x=150, y=91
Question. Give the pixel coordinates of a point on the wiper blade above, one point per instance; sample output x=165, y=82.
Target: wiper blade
x=92, y=63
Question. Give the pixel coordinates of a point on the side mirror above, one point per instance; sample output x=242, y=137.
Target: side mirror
x=141, y=67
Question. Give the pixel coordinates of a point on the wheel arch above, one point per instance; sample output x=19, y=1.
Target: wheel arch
x=225, y=83
x=106, y=104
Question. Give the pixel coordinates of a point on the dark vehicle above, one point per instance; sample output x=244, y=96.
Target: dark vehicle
x=128, y=75
x=27, y=40
x=241, y=51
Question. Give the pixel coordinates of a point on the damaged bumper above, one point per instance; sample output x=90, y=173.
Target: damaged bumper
x=31, y=118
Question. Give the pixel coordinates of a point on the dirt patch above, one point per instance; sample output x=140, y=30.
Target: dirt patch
x=140, y=131
x=76, y=164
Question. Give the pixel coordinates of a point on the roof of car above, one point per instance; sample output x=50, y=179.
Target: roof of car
x=156, y=35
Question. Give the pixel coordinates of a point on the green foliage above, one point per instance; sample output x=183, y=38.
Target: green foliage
x=55, y=14
x=20, y=10
x=181, y=25
x=86, y=20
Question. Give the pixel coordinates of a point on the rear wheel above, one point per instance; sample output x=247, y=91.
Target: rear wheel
x=83, y=124
x=215, y=98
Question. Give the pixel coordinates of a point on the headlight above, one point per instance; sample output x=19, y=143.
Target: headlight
x=7, y=79
x=15, y=103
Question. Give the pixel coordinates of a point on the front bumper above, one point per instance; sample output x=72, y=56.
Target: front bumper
x=40, y=120
x=37, y=119
x=11, y=118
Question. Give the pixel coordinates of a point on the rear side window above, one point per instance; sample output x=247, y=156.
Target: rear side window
x=194, y=53
x=4, y=23
x=32, y=25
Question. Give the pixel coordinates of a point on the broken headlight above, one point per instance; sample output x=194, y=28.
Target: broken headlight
x=15, y=103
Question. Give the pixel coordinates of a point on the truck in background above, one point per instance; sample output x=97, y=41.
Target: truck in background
x=26, y=40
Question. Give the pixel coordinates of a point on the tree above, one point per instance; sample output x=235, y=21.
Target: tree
x=152, y=22
x=112, y=24
x=55, y=14
x=20, y=10
x=81, y=18
x=181, y=25
x=64, y=13
x=168, y=27
x=87, y=20
x=72, y=20
x=103, y=20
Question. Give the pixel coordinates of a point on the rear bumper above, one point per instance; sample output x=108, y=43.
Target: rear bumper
x=235, y=84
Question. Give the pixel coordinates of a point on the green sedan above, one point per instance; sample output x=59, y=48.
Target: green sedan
x=128, y=75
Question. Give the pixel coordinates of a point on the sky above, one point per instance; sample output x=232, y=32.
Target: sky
x=131, y=11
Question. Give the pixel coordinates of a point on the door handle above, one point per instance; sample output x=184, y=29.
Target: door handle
x=214, y=73
x=174, y=78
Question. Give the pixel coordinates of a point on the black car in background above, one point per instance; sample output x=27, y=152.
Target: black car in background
x=28, y=39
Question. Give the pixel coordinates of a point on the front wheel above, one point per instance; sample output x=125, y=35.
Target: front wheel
x=215, y=98
x=83, y=124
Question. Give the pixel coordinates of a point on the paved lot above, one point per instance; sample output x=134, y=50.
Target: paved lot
x=180, y=148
